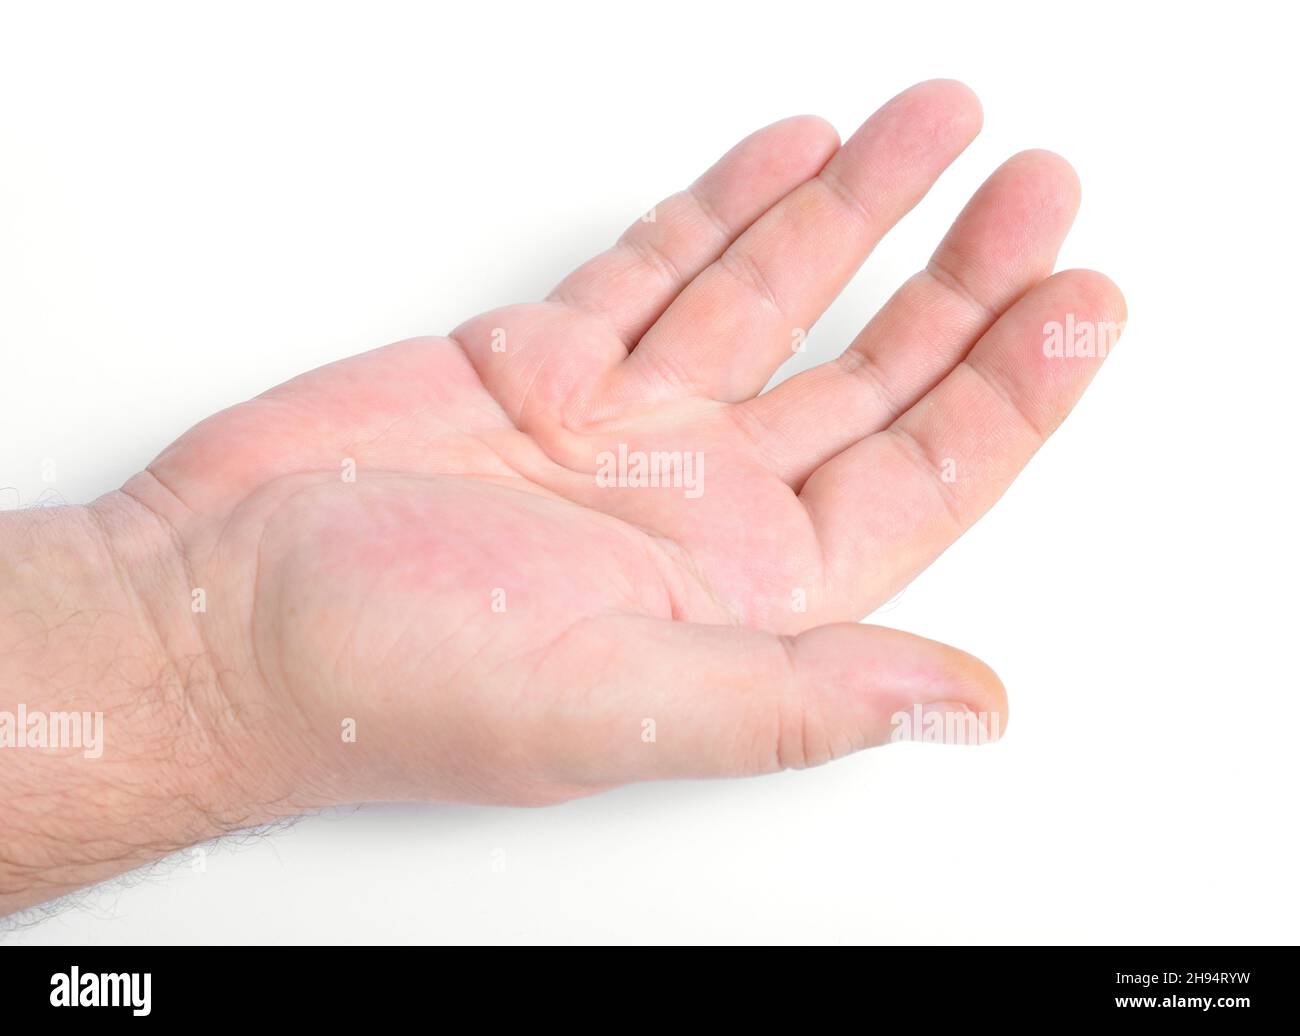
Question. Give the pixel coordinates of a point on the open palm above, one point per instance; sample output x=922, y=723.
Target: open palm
x=571, y=545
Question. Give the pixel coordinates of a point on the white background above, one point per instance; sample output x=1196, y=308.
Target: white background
x=198, y=201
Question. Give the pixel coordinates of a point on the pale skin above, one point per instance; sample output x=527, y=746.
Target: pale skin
x=411, y=546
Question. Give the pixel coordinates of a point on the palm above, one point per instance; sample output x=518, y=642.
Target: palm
x=426, y=539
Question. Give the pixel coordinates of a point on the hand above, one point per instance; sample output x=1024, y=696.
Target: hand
x=500, y=624
x=422, y=546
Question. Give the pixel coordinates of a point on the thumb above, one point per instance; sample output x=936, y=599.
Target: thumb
x=676, y=699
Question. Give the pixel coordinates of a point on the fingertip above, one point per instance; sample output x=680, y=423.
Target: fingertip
x=916, y=677
x=1008, y=235
x=812, y=128
x=1046, y=168
x=953, y=95
x=980, y=689
x=793, y=148
x=1096, y=292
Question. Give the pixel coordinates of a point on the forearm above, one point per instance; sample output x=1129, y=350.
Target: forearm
x=115, y=749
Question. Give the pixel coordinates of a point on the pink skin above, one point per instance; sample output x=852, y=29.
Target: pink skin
x=372, y=600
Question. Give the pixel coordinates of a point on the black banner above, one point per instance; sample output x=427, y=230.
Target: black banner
x=141, y=986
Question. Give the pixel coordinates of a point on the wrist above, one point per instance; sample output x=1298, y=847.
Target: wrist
x=127, y=749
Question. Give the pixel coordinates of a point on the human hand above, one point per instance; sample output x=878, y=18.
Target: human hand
x=420, y=545
x=500, y=622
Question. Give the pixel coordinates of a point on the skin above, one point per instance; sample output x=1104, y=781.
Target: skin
x=494, y=624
